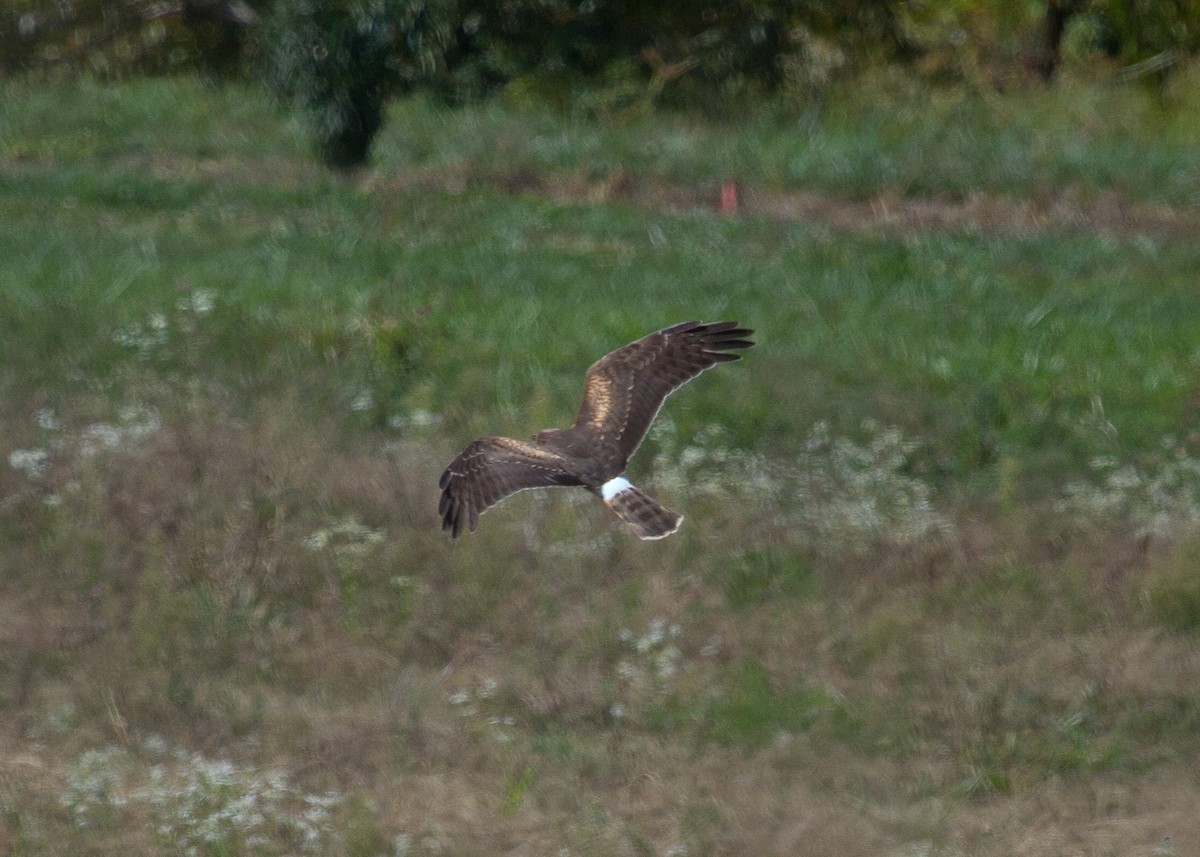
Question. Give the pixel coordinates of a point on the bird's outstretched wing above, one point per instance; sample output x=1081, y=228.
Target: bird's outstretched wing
x=624, y=390
x=490, y=469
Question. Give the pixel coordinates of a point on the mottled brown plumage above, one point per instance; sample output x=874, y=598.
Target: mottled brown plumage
x=623, y=392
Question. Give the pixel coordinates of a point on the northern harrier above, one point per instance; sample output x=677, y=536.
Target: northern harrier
x=621, y=397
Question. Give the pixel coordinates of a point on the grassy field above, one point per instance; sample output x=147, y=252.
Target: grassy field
x=938, y=589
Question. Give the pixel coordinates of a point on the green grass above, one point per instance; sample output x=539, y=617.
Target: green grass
x=991, y=347
x=884, y=134
x=937, y=572
x=986, y=348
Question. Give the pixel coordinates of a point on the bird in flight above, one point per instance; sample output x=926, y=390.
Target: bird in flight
x=622, y=393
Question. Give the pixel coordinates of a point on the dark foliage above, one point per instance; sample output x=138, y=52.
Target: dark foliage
x=343, y=60
x=701, y=44
x=109, y=39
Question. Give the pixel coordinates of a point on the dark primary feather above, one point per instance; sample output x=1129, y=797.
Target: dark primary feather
x=624, y=390
x=490, y=469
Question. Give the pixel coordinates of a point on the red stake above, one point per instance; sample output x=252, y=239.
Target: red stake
x=729, y=198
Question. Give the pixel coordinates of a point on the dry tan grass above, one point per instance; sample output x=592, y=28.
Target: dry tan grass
x=464, y=694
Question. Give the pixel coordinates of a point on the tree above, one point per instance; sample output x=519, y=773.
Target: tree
x=342, y=60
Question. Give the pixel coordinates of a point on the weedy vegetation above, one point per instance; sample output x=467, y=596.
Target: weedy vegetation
x=937, y=590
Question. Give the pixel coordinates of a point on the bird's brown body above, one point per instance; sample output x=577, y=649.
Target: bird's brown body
x=623, y=392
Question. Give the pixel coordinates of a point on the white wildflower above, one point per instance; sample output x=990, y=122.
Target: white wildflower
x=628, y=671
x=30, y=462
x=1159, y=499
x=201, y=805
x=416, y=418
x=348, y=538
x=844, y=493
x=139, y=422
x=155, y=744
x=317, y=541
x=666, y=662
x=364, y=401
x=145, y=337
x=95, y=786
x=422, y=418
x=400, y=845
x=202, y=301
x=99, y=436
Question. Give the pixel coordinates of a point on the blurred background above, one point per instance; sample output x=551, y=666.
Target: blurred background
x=345, y=60
x=266, y=267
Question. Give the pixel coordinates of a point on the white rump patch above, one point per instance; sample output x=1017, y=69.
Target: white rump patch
x=613, y=487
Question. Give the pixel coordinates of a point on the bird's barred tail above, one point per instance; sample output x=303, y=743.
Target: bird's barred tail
x=649, y=519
